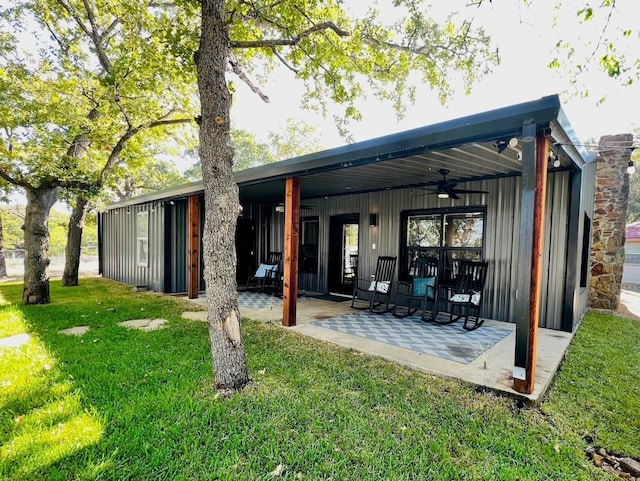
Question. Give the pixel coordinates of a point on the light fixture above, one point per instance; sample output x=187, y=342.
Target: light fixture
x=501, y=145
x=631, y=168
x=443, y=195
x=373, y=220
x=554, y=159
x=513, y=141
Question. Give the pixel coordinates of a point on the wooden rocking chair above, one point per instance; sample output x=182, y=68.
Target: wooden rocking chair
x=374, y=293
x=467, y=296
x=420, y=293
x=267, y=275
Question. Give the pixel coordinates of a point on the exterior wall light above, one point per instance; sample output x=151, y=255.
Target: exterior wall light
x=373, y=220
x=631, y=168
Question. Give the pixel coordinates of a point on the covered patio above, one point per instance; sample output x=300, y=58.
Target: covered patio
x=512, y=188
x=483, y=357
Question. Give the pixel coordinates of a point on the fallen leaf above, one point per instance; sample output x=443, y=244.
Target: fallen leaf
x=278, y=470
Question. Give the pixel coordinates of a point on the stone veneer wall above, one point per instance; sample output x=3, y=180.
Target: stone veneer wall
x=609, y=220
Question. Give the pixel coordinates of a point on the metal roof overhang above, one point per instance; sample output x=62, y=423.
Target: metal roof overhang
x=464, y=146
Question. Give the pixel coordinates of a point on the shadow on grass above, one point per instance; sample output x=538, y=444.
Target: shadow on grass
x=58, y=394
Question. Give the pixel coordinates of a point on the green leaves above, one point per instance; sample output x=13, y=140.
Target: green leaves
x=378, y=54
x=95, y=75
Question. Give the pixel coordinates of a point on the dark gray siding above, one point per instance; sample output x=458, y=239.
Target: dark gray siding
x=176, y=215
x=501, y=247
x=119, y=246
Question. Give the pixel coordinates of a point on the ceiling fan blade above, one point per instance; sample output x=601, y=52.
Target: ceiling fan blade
x=453, y=195
x=469, y=191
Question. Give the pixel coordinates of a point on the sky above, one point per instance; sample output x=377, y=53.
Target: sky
x=526, y=39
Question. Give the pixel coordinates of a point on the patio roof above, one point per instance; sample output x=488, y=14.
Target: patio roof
x=464, y=146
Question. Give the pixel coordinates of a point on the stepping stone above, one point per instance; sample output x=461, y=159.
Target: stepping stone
x=144, y=324
x=195, y=316
x=15, y=341
x=75, y=331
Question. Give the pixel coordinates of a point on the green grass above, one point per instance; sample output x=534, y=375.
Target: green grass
x=597, y=393
x=122, y=404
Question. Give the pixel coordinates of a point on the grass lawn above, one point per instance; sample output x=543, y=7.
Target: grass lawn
x=123, y=404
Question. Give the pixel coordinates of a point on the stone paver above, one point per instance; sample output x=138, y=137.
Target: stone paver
x=15, y=341
x=144, y=324
x=195, y=316
x=75, y=331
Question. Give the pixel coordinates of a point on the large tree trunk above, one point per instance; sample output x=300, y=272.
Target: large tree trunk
x=74, y=241
x=36, y=244
x=221, y=202
x=3, y=262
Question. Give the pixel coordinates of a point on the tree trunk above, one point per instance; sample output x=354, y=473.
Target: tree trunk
x=36, y=244
x=74, y=241
x=221, y=202
x=3, y=263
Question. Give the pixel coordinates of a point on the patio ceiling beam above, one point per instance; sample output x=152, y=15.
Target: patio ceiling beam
x=291, y=235
x=534, y=184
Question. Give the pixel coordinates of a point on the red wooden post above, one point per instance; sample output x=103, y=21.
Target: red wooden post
x=291, y=234
x=542, y=151
x=193, y=236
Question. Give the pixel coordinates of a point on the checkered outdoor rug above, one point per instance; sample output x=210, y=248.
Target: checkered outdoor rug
x=450, y=342
x=260, y=300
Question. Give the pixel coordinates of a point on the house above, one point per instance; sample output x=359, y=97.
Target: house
x=399, y=195
x=632, y=243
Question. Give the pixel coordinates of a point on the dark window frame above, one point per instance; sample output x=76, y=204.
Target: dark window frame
x=442, y=250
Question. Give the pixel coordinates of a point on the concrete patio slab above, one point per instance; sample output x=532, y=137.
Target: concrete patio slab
x=492, y=369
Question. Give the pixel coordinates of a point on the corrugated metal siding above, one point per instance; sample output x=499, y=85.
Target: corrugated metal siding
x=588, y=198
x=177, y=225
x=119, y=258
x=501, y=246
x=554, y=266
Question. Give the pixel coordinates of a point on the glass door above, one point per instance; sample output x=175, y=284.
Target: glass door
x=344, y=236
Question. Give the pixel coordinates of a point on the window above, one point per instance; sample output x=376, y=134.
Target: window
x=586, y=242
x=142, y=239
x=450, y=236
x=309, y=234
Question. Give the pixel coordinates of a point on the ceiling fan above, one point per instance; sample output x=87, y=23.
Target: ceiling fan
x=447, y=188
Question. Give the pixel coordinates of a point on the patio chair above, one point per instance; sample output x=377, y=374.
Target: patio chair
x=467, y=295
x=267, y=275
x=374, y=293
x=420, y=293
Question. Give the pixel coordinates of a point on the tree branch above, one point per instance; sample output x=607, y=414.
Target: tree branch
x=235, y=67
x=290, y=41
x=114, y=156
x=283, y=61
x=12, y=179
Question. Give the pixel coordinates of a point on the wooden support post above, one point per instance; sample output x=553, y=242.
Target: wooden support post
x=291, y=234
x=534, y=187
x=193, y=240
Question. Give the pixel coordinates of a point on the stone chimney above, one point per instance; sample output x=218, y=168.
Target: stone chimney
x=609, y=220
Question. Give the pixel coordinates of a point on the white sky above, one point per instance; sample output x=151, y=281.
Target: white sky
x=526, y=40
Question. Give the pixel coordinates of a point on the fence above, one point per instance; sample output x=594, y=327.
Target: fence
x=14, y=261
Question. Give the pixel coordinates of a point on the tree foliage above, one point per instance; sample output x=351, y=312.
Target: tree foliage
x=85, y=86
x=633, y=207
x=603, y=37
